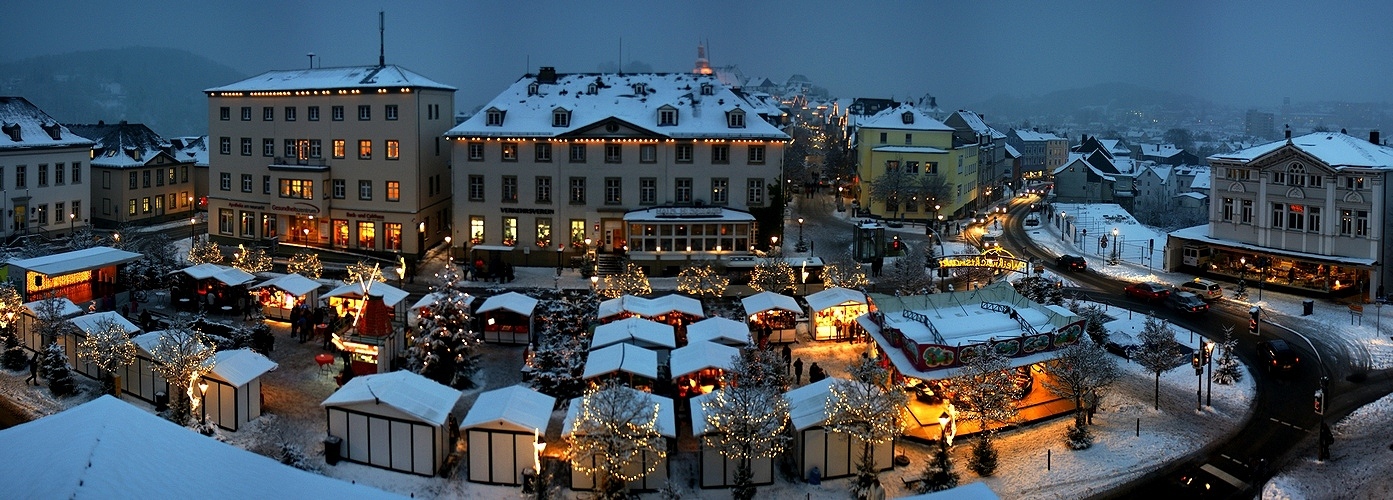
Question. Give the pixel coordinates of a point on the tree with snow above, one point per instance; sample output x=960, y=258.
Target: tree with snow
x=158, y=259
x=615, y=437
x=1078, y=371
x=907, y=274
x=844, y=272
x=1039, y=289
x=746, y=418
x=702, y=280
x=54, y=366
x=938, y=473
x=773, y=275
x=563, y=343
x=305, y=264
x=11, y=310
x=83, y=238
x=205, y=252
x=110, y=349
x=987, y=395
x=252, y=261
x=1229, y=370
x=447, y=350
x=182, y=356
x=868, y=407
x=630, y=281
x=1158, y=350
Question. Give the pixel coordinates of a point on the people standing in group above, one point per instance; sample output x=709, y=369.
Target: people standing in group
x=295, y=313
x=815, y=373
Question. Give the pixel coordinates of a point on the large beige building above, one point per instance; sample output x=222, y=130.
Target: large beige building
x=137, y=177
x=43, y=172
x=660, y=163
x=905, y=139
x=348, y=158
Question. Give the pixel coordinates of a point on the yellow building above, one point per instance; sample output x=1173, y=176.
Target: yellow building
x=906, y=139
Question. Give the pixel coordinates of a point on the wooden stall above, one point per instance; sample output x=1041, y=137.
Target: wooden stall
x=666, y=426
x=507, y=319
x=367, y=333
x=636, y=366
x=82, y=276
x=835, y=311
x=720, y=330
x=32, y=338
x=277, y=296
x=86, y=324
x=715, y=470
x=834, y=454
x=213, y=289
x=140, y=380
x=395, y=421
x=234, y=388
x=773, y=317
x=502, y=434
x=698, y=367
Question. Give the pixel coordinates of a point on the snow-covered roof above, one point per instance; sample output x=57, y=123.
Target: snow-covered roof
x=678, y=214
x=909, y=149
x=699, y=412
x=1201, y=234
x=75, y=261
x=411, y=393
x=91, y=322
x=977, y=490
x=807, y=405
x=974, y=121
x=1335, y=149
x=147, y=341
x=627, y=358
x=1191, y=194
x=651, y=307
x=894, y=119
x=66, y=308
x=765, y=301
x=833, y=297
x=293, y=284
x=190, y=148
x=718, y=329
x=631, y=101
x=698, y=356
x=240, y=366
x=229, y=276
x=1159, y=150
x=124, y=145
x=1079, y=161
x=107, y=448
x=667, y=419
x=637, y=331
x=1202, y=180
x=34, y=127
x=511, y=302
x=1032, y=136
x=390, y=295
x=1011, y=152
x=350, y=77
x=514, y=407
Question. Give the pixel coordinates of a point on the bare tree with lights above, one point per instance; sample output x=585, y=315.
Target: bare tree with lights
x=747, y=417
x=869, y=407
x=111, y=349
x=615, y=437
x=305, y=264
x=985, y=394
x=907, y=274
x=844, y=272
x=205, y=252
x=630, y=281
x=1081, y=371
x=11, y=310
x=252, y=261
x=1158, y=351
x=773, y=275
x=363, y=272
x=182, y=356
x=702, y=280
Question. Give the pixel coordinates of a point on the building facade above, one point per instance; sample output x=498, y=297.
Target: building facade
x=137, y=176
x=348, y=158
x=648, y=163
x=1041, y=152
x=43, y=172
x=906, y=139
x=992, y=166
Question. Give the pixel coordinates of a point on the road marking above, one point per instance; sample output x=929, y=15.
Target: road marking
x=1288, y=424
x=1226, y=477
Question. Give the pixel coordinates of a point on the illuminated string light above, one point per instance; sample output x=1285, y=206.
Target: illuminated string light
x=702, y=280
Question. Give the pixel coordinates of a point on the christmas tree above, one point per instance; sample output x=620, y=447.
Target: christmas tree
x=446, y=348
x=55, y=368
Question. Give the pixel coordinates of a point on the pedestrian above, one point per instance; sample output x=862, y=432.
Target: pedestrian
x=788, y=356
x=295, y=313
x=815, y=373
x=33, y=370
x=146, y=322
x=304, y=325
x=798, y=371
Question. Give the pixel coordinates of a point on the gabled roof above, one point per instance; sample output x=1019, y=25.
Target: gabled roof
x=764, y=301
x=807, y=405
x=1334, y=149
x=240, y=366
x=636, y=331
x=125, y=145
x=832, y=297
x=651, y=307
x=1102, y=162
x=76, y=260
x=720, y=330
x=511, y=302
x=389, y=294
x=1033, y=136
x=894, y=119
x=230, y=276
x=89, y=323
x=413, y=394
x=348, y=77
x=698, y=356
x=432, y=298
x=34, y=127
x=1078, y=161
x=107, y=448
x=190, y=149
x=627, y=358
x=516, y=407
x=293, y=284
x=667, y=420
x=66, y=308
x=147, y=341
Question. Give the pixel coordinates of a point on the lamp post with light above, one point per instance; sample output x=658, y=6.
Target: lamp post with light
x=203, y=402
x=559, y=249
x=193, y=226
x=802, y=245
x=72, y=223
x=1063, y=218
x=1209, y=360
x=1115, y=245
x=773, y=245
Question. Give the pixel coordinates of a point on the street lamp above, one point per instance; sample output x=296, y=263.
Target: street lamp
x=203, y=400
x=1209, y=360
x=72, y=222
x=594, y=282
x=938, y=207
x=559, y=249
x=773, y=244
x=801, y=245
x=1062, y=218
x=193, y=226
x=1114, y=245
x=943, y=419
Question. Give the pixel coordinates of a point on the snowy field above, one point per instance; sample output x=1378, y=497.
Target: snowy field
x=1360, y=465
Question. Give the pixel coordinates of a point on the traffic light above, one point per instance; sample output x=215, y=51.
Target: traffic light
x=1320, y=402
x=1253, y=319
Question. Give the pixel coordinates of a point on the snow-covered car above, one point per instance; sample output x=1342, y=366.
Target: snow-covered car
x=1032, y=220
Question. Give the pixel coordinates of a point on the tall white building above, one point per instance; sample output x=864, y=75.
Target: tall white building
x=43, y=171
x=665, y=164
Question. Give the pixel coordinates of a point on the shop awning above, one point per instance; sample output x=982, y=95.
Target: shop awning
x=389, y=294
x=651, y=307
x=833, y=297
x=66, y=308
x=636, y=331
x=511, y=302
x=293, y=284
x=494, y=248
x=1201, y=234
x=627, y=358
x=229, y=276
x=766, y=301
x=76, y=261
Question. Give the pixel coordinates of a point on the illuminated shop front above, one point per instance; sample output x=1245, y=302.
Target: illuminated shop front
x=835, y=311
x=80, y=276
x=1273, y=269
x=366, y=330
x=773, y=317
x=277, y=296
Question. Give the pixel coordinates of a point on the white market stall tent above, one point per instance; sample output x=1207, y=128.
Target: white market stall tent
x=501, y=433
x=699, y=367
x=83, y=276
x=507, y=319
x=29, y=335
x=107, y=448
x=719, y=330
x=396, y=421
x=834, y=454
x=666, y=426
x=835, y=311
x=87, y=324
x=140, y=379
x=717, y=471
x=625, y=361
x=234, y=388
x=658, y=309
x=777, y=313
x=281, y=294
x=637, y=331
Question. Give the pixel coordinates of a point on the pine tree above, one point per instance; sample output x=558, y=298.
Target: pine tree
x=558, y=361
x=907, y=274
x=1078, y=437
x=11, y=307
x=14, y=357
x=938, y=474
x=1229, y=370
x=1094, y=317
x=447, y=349
x=1038, y=289
x=1158, y=351
x=983, y=461
x=55, y=369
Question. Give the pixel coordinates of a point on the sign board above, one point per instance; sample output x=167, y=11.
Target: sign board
x=992, y=261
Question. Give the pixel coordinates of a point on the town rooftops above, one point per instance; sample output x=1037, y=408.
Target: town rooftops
x=390, y=76
x=124, y=145
x=24, y=126
x=1032, y=136
x=1335, y=149
x=904, y=117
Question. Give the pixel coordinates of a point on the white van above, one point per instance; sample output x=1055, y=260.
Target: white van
x=1207, y=290
x=1196, y=255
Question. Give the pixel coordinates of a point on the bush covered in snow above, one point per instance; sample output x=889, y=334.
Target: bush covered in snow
x=1078, y=437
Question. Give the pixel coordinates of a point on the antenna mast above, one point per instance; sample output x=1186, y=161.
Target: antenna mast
x=381, y=45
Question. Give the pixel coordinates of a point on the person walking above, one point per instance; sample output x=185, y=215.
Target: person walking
x=815, y=373
x=33, y=370
x=788, y=357
x=798, y=371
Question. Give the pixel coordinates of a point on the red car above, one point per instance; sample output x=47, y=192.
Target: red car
x=1146, y=291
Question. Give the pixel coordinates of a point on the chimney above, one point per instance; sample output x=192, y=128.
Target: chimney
x=547, y=75
x=1373, y=136
x=1288, y=129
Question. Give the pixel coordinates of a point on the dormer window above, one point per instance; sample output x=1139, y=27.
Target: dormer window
x=735, y=119
x=494, y=117
x=11, y=129
x=907, y=117
x=707, y=89
x=55, y=132
x=591, y=89
x=667, y=116
x=640, y=88
x=532, y=88
x=560, y=117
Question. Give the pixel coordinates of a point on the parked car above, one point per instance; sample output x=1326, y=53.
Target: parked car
x=989, y=242
x=1207, y=290
x=1072, y=263
x=1277, y=355
x=1146, y=291
x=1186, y=302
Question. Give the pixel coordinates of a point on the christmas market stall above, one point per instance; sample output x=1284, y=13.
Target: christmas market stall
x=833, y=454
x=637, y=331
x=507, y=319
x=396, y=421
x=719, y=330
x=717, y=471
x=366, y=331
x=675, y=310
x=81, y=276
x=140, y=379
x=212, y=288
x=774, y=317
x=834, y=313
x=502, y=433
x=666, y=426
x=233, y=397
x=29, y=333
x=277, y=296
x=631, y=364
x=698, y=367
x=86, y=325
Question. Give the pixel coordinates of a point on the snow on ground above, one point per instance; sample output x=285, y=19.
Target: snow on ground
x=1360, y=465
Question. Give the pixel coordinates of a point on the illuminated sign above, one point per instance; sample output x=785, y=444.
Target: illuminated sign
x=41, y=282
x=992, y=261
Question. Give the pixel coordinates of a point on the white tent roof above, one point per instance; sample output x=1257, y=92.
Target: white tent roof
x=765, y=301
x=970, y=491
x=240, y=366
x=626, y=358
x=67, y=308
x=515, y=407
x=434, y=297
x=833, y=297
x=147, y=341
x=390, y=295
x=512, y=302
x=109, y=449
x=411, y=393
x=228, y=275
x=75, y=261
x=717, y=329
x=651, y=307
x=637, y=331
x=701, y=355
x=807, y=405
x=667, y=420
x=90, y=322
x=293, y=284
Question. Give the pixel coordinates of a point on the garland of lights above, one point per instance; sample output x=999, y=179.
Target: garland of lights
x=868, y=407
x=746, y=422
x=701, y=280
x=305, y=264
x=771, y=275
x=361, y=272
x=182, y=356
x=205, y=252
x=630, y=282
x=614, y=430
x=252, y=261
x=108, y=347
x=11, y=304
x=844, y=274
